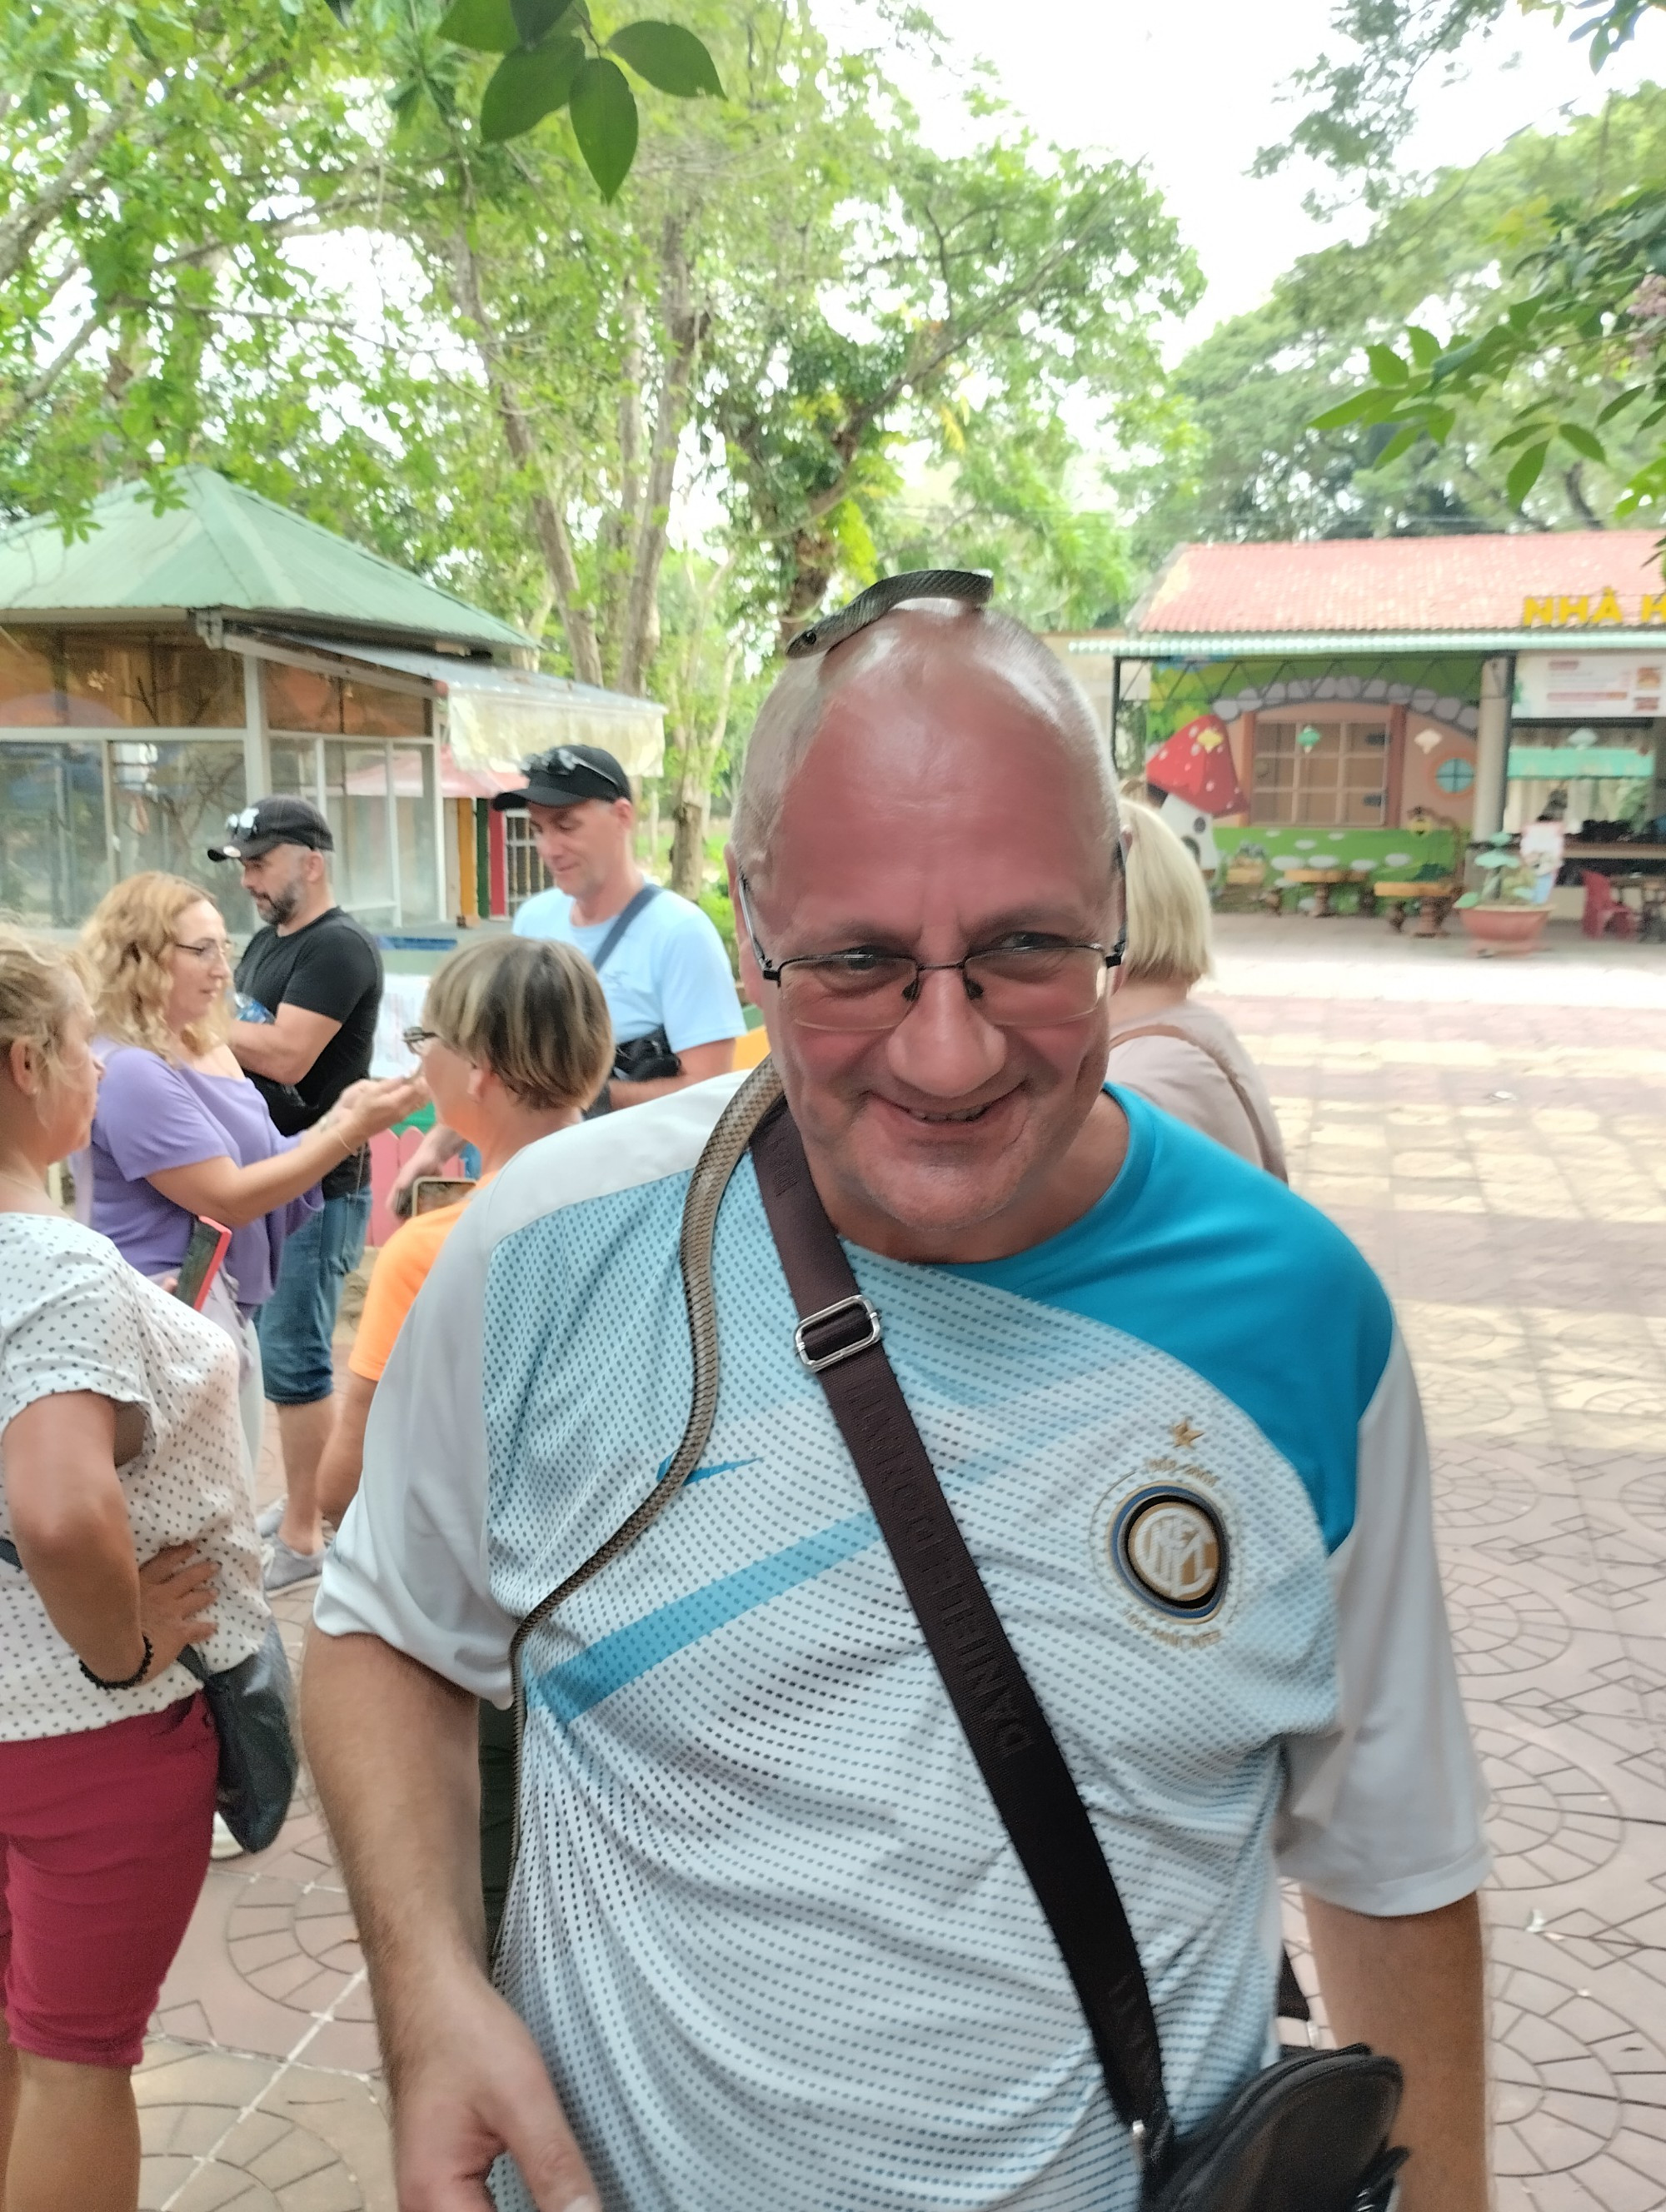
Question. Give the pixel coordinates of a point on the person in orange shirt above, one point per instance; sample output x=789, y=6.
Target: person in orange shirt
x=514, y=1042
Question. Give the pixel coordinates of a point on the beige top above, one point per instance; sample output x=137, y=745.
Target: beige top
x=1193, y=1065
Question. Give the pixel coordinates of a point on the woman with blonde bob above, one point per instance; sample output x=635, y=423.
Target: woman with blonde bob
x=1183, y=1057
x=514, y=1043
x=181, y=1131
x=126, y=1532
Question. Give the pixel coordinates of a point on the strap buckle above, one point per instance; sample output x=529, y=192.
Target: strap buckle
x=842, y=1345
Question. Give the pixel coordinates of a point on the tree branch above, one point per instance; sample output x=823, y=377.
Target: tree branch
x=19, y=230
x=548, y=522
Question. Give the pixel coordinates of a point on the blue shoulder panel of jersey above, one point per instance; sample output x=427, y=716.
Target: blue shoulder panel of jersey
x=1217, y=1263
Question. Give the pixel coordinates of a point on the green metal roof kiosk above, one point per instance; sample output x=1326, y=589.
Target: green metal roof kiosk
x=163, y=670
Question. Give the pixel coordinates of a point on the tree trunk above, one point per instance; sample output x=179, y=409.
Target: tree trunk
x=686, y=327
x=692, y=813
x=688, y=844
x=616, y=540
x=549, y=523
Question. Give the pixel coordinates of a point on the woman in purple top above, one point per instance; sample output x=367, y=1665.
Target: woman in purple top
x=180, y=1130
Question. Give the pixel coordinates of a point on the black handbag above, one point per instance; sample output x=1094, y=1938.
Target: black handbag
x=1310, y=2133
x=253, y=1705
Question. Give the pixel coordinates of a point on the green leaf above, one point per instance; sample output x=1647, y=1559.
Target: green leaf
x=1525, y=474
x=1349, y=411
x=1401, y=442
x=527, y=87
x=671, y=59
x=1520, y=435
x=1425, y=345
x=1624, y=400
x=536, y=19
x=604, y=112
x=1583, y=442
x=1386, y=365
x=1438, y=424
x=488, y=26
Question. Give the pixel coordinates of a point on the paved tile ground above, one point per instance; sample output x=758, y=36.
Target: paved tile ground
x=1493, y=1135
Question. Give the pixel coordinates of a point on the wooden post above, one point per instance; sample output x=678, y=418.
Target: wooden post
x=1393, y=788
x=468, y=885
x=1497, y=684
x=497, y=873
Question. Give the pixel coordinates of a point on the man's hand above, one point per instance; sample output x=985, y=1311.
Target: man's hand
x=1413, y=1987
x=470, y=2086
x=394, y=1752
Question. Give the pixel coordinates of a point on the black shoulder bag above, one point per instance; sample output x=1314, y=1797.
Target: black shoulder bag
x=252, y=1706
x=1308, y=2134
x=649, y=1057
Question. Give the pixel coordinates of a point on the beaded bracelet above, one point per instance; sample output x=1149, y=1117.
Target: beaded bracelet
x=128, y=1681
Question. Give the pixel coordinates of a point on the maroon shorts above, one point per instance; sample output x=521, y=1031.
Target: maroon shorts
x=104, y=1842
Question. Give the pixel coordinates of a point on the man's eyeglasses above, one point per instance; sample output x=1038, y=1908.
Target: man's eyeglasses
x=207, y=950
x=1027, y=982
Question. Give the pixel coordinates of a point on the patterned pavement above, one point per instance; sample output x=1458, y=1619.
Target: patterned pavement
x=1493, y=1135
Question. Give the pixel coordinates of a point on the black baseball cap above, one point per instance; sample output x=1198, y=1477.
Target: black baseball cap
x=566, y=775
x=269, y=822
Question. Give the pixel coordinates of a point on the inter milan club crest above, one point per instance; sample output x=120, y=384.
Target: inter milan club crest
x=1161, y=1539
x=1169, y=1542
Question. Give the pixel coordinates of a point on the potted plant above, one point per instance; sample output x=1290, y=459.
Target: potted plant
x=1505, y=914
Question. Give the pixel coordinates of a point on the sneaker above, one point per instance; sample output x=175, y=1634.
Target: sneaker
x=225, y=1844
x=285, y=1567
x=270, y=1518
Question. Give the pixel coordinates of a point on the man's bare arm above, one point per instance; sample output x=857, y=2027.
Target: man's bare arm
x=283, y=1048
x=1413, y=1987
x=393, y=1750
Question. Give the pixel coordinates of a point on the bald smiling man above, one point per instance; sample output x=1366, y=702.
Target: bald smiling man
x=768, y=1948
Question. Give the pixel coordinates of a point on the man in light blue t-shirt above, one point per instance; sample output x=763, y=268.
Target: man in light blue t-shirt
x=664, y=972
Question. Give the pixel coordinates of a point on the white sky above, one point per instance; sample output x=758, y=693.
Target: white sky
x=1192, y=91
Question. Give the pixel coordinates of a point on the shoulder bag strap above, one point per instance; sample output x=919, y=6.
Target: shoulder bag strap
x=1270, y=1141
x=838, y=1338
x=622, y=922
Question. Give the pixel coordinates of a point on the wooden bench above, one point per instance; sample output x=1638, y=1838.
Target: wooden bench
x=1322, y=880
x=1433, y=901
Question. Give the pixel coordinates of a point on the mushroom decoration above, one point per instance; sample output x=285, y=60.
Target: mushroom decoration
x=1193, y=770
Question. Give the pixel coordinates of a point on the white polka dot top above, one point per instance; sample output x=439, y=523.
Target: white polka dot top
x=74, y=1316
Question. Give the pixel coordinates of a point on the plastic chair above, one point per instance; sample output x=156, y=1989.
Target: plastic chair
x=1606, y=912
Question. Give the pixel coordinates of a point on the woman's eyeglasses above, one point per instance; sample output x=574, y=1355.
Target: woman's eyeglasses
x=207, y=950
x=416, y=1036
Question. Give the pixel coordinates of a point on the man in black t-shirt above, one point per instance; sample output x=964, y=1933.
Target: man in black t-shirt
x=309, y=990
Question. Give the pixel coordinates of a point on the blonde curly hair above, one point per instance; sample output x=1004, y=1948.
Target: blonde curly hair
x=125, y=945
x=40, y=986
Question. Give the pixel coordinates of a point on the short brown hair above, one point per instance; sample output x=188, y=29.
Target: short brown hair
x=532, y=1010
x=127, y=941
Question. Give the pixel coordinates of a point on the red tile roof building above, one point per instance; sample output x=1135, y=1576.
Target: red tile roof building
x=1363, y=585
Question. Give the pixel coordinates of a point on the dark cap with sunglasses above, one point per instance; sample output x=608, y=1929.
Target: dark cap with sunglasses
x=280, y=820
x=566, y=776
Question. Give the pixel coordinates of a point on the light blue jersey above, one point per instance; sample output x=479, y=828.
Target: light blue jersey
x=669, y=971
x=766, y=1926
